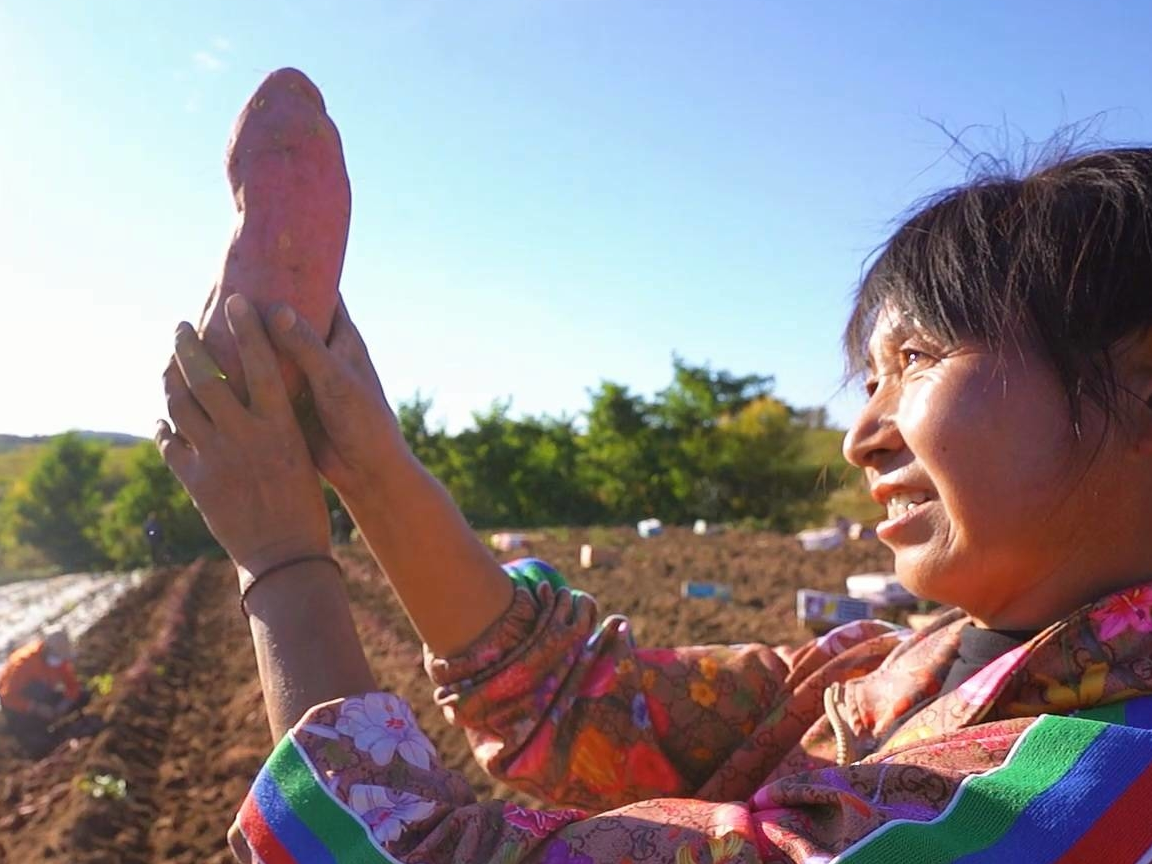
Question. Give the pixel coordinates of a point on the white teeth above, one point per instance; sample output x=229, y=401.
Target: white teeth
x=905, y=502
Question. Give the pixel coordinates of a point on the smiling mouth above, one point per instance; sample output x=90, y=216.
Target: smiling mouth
x=904, y=503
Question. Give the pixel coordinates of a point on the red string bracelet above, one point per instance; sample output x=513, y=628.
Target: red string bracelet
x=291, y=562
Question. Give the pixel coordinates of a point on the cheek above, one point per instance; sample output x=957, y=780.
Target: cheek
x=953, y=435
x=992, y=455
x=934, y=424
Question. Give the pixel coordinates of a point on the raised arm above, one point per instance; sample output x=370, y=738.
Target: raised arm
x=249, y=472
x=450, y=586
x=355, y=779
x=562, y=703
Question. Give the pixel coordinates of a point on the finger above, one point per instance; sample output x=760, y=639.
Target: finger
x=300, y=343
x=191, y=421
x=238, y=844
x=347, y=347
x=175, y=453
x=342, y=330
x=345, y=340
x=205, y=379
x=266, y=393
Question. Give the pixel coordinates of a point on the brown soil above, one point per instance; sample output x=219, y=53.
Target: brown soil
x=184, y=725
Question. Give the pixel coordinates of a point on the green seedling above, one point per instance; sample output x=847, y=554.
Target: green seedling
x=103, y=786
x=101, y=685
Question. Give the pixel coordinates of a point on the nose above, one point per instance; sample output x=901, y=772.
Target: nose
x=873, y=434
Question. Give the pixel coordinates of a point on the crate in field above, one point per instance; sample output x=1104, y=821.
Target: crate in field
x=649, y=527
x=597, y=556
x=713, y=590
x=823, y=610
x=882, y=589
x=820, y=539
x=507, y=542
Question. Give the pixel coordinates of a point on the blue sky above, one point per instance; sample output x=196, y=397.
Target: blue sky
x=545, y=194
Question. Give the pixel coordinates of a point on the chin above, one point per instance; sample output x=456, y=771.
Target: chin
x=928, y=583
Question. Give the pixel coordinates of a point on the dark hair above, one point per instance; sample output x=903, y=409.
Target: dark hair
x=1062, y=254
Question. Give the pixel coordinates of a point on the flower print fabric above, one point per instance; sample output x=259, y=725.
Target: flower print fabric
x=626, y=723
x=559, y=852
x=733, y=753
x=387, y=811
x=1130, y=609
x=383, y=726
x=540, y=823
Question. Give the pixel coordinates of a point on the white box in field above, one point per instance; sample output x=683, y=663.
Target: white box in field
x=879, y=588
x=596, y=556
x=820, y=539
x=824, y=610
x=506, y=542
x=649, y=527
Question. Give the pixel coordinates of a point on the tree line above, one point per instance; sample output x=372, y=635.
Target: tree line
x=712, y=445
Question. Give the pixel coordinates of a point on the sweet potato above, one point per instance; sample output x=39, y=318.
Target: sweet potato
x=293, y=201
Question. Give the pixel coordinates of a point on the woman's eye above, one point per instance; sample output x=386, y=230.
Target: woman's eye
x=910, y=357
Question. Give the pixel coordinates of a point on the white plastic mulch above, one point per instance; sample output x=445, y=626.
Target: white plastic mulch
x=74, y=602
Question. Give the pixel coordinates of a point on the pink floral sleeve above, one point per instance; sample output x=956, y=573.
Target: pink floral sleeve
x=355, y=782
x=573, y=712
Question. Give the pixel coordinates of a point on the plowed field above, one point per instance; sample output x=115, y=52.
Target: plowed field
x=183, y=725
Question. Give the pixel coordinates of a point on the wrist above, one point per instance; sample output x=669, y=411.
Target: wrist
x=307, y=574
x=389, y=480
x=258, y=561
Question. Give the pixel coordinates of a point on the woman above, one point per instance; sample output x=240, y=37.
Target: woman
x=1004, y=337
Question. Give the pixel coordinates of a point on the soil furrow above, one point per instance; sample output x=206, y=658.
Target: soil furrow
x=189, y=737
x=112, y=829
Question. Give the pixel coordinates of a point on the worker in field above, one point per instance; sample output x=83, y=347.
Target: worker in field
x=154, y=535
x=1003, y=341
x=38, y=690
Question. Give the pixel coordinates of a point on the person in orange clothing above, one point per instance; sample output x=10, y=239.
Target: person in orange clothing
x=38, y=687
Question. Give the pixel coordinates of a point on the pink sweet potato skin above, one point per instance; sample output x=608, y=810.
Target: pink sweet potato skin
x=293, y=201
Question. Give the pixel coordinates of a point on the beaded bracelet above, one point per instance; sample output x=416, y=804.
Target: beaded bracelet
x=291, y=562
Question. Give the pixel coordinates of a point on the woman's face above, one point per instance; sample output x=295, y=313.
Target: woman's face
x=992, y=501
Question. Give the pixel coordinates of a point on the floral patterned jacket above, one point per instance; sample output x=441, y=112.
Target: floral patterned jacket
x=841, y=750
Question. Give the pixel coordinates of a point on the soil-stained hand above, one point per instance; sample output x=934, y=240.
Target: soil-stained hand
x=247, y=467
x=353, y=435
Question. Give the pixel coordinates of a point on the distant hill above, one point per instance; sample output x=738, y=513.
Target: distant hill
x=115, y=439
x=18, y=453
